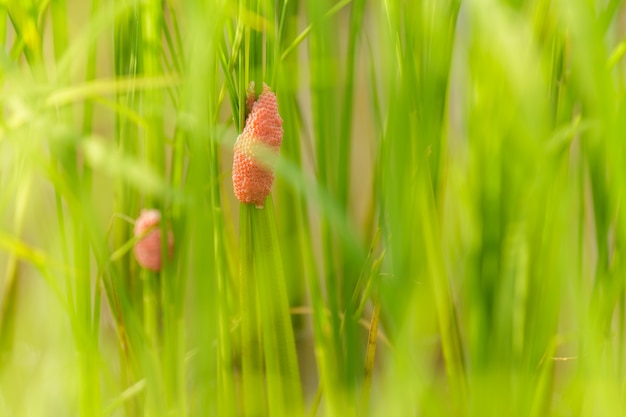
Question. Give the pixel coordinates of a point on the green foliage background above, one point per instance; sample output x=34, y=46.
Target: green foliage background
x=444, y=236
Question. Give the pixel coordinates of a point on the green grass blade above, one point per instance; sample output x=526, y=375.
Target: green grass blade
x=282, y=374
x=252, y=348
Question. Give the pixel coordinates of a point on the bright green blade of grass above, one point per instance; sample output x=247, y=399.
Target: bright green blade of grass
x=252, y=348
x=289, y=207
x=209, y=283
x=324, y=103
x=282, y=375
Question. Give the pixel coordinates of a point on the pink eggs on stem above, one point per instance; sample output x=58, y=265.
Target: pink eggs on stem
x=148, y=250
x=263, y=132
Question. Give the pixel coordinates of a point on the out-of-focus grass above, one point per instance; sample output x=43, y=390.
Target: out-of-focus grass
x=444, y=236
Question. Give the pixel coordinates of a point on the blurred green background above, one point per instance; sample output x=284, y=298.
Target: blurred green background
x=443, y=238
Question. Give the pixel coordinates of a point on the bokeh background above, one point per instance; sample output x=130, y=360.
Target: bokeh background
x=444, y=234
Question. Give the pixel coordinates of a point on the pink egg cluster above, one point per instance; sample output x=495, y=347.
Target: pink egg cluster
x=252, y=180
x=148, y=249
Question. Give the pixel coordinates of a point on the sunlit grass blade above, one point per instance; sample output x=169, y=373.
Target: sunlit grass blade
x=253, y=386
x=281, y=367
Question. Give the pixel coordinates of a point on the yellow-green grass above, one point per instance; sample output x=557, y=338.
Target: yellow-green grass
x=444, y=236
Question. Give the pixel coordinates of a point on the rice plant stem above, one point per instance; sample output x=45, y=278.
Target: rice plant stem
x=226, y=390
x=257, y=66
x=282, y=374
x=251, y=341
x=356, y=23
x=151, y=32
x=450, y=339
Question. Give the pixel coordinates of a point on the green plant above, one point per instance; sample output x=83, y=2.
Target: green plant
x=444, y=235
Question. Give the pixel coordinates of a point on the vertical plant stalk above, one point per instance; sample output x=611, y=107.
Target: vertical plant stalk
x=356, y=24
x=9, y=291
x=158, y=399
x=226, y=381
x=127, y=38
x=11, y=273
x=321, y=50
x=282, y=375
x=291, y=206
x=83, y=248
x=370, y=355
x=127, y=35
x=226, y=384
x=3, y=26
x=58, y=10
x=272, y=41
x=90, y=400
x=446, y=315
x=212, y=391
x=251, y=341
x=349, y=269
x=174, y=277
x=294, y=232
x=255, y=56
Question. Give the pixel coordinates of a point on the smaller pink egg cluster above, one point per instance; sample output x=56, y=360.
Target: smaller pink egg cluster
x=252, y=180
x=148, y=249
